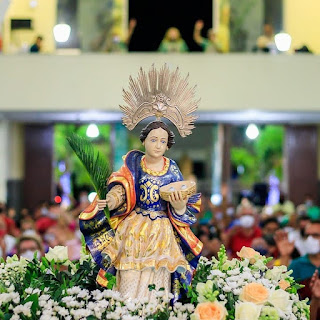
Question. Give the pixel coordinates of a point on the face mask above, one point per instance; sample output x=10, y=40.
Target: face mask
x=52, y=216
x=78, y=234
x=219, y=215
x=49, y=237
x=246, y=221
x=312, y=245
x=309, y=203
x=29, y=232
x=29, y=254
x=230, y=212
x=44, y=211
x=83, y=199
x=262, y=250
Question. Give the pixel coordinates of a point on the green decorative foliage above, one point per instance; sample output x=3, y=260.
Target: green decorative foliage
x=63, y=152
x=95, y=164
x=260, y=157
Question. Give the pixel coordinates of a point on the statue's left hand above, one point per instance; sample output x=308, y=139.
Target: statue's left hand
x=177, y=202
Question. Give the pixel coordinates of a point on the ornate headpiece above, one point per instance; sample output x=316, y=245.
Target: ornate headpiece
x=161, y=94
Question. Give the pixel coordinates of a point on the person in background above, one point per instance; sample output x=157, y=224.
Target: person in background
x=247, y=230
x=28, y=245
x=27, y=225
x=3, y=230
x=209, y=44
x=25, y=213
x=304, y=267
x=265, y=42
x=260, y=245
x=270, y=226
x=62, y=235
x=173, y=42
x=315, y=300
x=10, y=225
x=116, y=43
x=36, y=47
x=298, y=234
x=12, y=214
x=284, y=209
x=48, y=217
x=82, y=203
x=285, y=248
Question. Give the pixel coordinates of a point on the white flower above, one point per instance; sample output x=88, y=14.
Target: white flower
x=24, y=309
x=233, y=272
x=226, y=288
x=246, y=275
x=57, y=254
x=276, y=273
x=83, y=294
x=236, y=292
x=259, y=264
x=28, y=290
x=280, y=299
x=74, y=291
x=247, y=311
x=217, y=273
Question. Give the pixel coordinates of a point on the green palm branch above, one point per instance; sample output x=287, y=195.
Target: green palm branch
x=95, y=164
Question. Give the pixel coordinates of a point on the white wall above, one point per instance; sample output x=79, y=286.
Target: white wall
x=94, y=82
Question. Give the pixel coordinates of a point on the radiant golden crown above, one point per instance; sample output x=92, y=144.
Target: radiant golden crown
x=162, y=94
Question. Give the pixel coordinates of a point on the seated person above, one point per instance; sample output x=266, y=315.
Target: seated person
x=246, y=231
x=28, y=244
x=304, y=267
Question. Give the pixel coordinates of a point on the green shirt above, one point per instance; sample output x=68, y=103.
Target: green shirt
x=173, y=46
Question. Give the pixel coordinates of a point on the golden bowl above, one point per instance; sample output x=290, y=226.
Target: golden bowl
x=187, y=188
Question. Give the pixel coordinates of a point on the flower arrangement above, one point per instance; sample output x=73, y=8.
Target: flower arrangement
x=56, y=288
x=245, y=289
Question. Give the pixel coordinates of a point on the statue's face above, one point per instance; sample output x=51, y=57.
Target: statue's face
x=156, y=143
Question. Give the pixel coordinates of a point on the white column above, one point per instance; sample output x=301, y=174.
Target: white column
x=4, y=159
x=4, y=4
x=217, y=134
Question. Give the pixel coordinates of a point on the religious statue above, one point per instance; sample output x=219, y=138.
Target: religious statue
x=147, y=239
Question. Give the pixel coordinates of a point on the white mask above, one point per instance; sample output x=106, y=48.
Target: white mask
x=29, y=254
x=78, y=234
x=230, y=211
x=312, y=245
x=219, y=215
x=246, y=221
x=309, y=203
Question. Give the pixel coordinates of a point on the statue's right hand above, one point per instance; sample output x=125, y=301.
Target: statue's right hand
x=102, y=204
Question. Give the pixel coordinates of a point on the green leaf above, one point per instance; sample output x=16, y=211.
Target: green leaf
x=35, y=302
x=95, y=164
x=151, y=287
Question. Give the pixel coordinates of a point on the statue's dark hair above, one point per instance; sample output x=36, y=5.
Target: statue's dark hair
x=156, y=125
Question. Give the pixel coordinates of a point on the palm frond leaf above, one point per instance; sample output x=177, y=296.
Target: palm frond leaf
x=95, y=164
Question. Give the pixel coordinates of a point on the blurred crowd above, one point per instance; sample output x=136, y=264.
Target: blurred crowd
x=32, y=232
x=208, y=40
x=289, y=234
